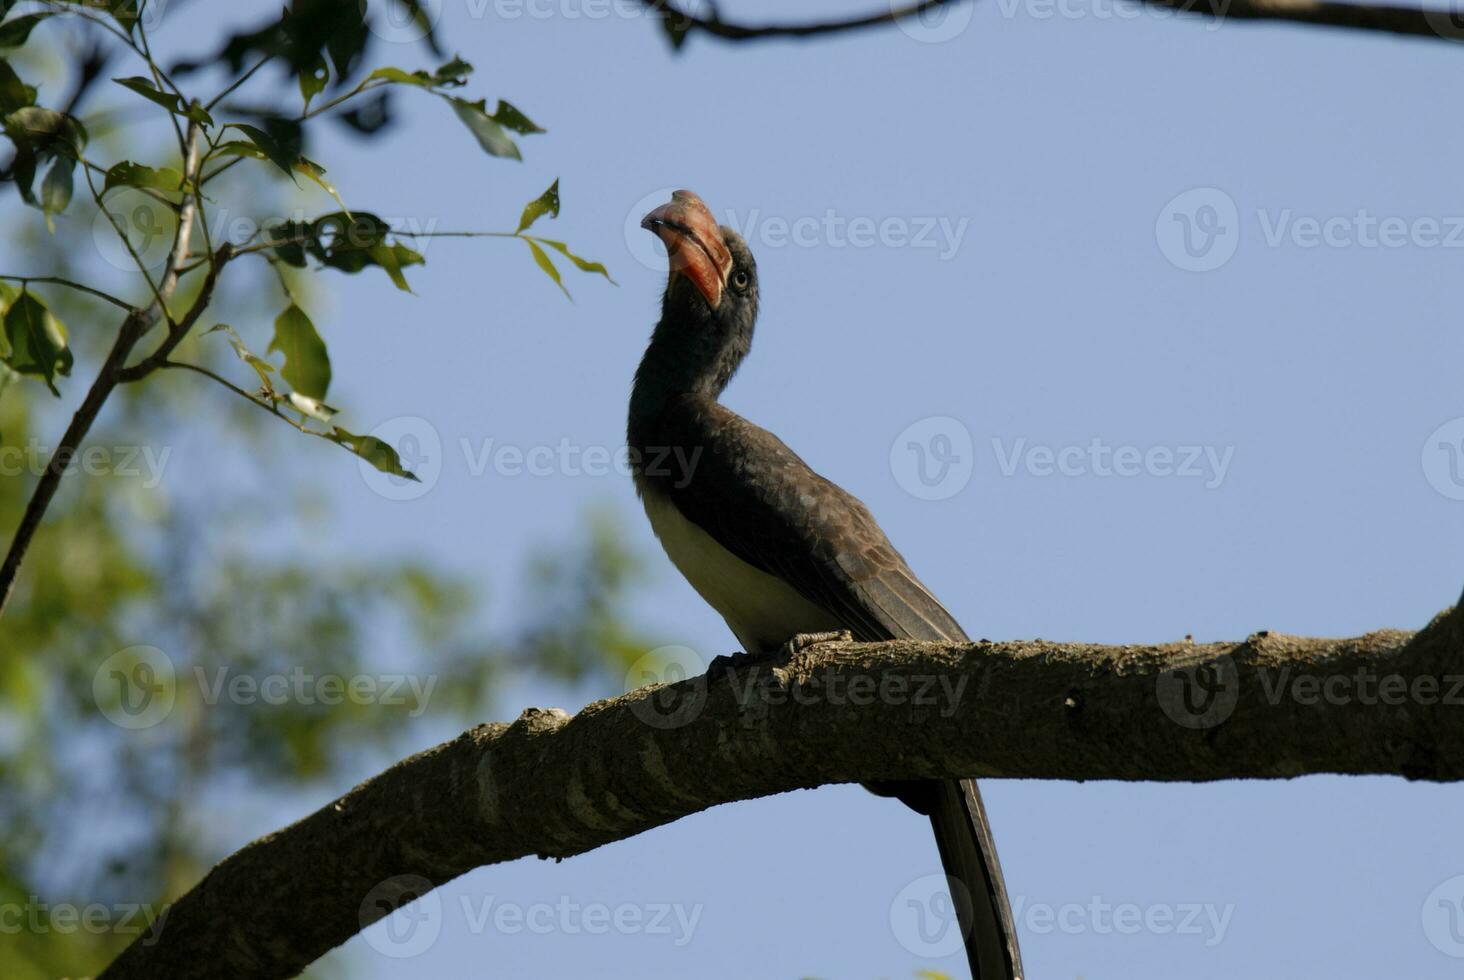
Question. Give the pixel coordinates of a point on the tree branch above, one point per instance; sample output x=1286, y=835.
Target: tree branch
x=1413, y=21
x=1272, y=706
x=1435, y=23
x=717, y=27
x=133, y=327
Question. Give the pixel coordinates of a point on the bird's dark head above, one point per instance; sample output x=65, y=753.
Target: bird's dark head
x=710, y=306
x=713, y=275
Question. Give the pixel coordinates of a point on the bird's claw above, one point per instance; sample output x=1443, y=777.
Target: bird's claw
x=802, y=641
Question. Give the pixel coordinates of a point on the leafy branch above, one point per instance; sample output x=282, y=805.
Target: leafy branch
x=321, y=44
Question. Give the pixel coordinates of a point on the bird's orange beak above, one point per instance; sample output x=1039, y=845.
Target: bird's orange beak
x=694, y=243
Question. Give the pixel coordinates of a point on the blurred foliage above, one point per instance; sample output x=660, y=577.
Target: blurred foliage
x=101, y=819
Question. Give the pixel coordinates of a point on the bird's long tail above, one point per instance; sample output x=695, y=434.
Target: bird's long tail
x=968, y=854
x=978, y=890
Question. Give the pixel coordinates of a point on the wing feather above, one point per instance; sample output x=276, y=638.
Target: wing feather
x=763, y=503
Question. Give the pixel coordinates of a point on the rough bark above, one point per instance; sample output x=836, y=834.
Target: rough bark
x=1272, y=706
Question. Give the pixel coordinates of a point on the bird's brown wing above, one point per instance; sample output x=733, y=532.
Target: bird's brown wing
x=761, y=502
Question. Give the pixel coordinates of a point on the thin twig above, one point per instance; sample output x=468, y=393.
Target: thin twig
x=70, y=284
x=238, y=81
x=161, y=79
x=715, y=26
x=127, y=244
x=269, y=405
x=1424, y=22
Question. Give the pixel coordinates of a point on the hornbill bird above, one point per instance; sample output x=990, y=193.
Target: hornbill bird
x=783, y=554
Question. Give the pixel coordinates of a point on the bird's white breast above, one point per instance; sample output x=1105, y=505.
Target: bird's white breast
x=761, y=610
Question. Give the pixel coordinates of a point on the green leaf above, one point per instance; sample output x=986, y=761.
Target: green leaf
x=510, y=118
x=542, y=258
x=276, y=152
x=374, y=451
x=7, y=295
x=422, y=18
x=56, y=189
x=399, y=77
x=167, y=100
x=125, y=12
x=46, y=130
x=584, y=265
x=39, y=135
x=145, y=88
x=316, y=173
x=314, y=79
x=489, y=133
x=545, y=203
x=37, y=341
x=307, y=363
x=198, y=114
x=345, y=241
x=454, y=74
x=14, y=94
x=14, y=32
x=129, y=174
x=240, y=148
x=391, y=258
x=261, y=367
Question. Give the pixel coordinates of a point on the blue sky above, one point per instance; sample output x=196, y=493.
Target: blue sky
x=1058, y=156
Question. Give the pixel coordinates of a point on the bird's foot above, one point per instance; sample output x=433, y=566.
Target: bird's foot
x=802, y=641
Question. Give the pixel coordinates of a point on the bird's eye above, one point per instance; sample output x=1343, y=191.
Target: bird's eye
x=739, y=279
